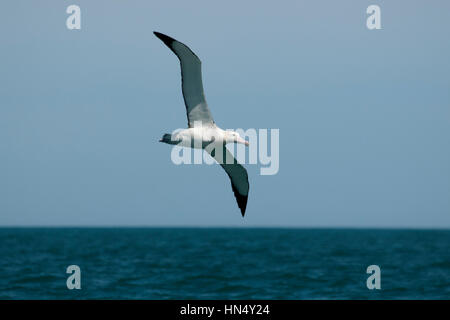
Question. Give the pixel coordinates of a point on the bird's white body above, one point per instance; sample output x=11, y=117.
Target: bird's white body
x=200, y=137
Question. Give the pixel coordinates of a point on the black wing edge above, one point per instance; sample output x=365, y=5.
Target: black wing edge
x=168, y=41
x=241, y=200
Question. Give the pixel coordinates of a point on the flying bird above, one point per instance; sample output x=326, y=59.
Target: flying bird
x=202, y=131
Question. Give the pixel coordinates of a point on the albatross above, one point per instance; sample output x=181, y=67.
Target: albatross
x=202, y=131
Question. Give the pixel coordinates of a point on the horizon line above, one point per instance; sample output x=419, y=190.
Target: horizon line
x=222, y=227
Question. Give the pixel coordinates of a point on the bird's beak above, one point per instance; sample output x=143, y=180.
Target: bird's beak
x=242, y=141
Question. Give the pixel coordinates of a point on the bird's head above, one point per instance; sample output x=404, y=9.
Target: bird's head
x=234, y=137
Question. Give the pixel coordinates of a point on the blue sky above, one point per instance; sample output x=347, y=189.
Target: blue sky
x=363, y=115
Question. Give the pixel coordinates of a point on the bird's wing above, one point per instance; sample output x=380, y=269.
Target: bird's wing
x=191, y=82
x=236, y=172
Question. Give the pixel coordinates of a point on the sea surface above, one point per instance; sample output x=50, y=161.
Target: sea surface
x=223, y=263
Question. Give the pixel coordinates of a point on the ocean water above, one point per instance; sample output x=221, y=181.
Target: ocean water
x=223, y=263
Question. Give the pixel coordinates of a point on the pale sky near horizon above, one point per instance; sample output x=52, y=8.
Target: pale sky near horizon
x=364, y=115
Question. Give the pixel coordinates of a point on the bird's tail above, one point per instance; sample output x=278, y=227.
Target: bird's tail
x=167, y=138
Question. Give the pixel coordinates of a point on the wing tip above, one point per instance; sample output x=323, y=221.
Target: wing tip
x=242, y=205
x=241, y=200
x=166, y=39
x=169, y=41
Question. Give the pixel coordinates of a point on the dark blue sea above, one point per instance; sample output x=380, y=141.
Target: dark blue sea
x=223, y=263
